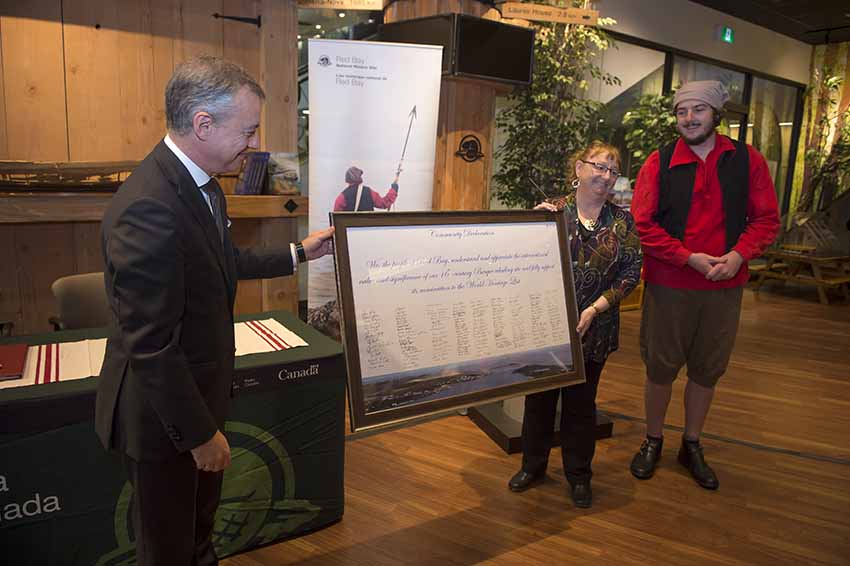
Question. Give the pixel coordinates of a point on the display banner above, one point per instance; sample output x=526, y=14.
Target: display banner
x=373, y=129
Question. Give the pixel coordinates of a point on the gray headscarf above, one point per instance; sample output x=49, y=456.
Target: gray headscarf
x=712, y=93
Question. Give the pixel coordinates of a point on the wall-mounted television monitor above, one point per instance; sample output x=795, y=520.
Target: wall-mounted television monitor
x=472, y=47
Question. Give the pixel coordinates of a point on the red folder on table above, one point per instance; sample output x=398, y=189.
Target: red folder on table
x=12, y=359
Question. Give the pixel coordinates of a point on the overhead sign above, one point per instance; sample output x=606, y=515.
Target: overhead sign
x=545, y=13
x=342, y=4
x=725, y=34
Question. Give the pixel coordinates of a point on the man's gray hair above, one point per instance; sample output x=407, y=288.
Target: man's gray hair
x=204, y=84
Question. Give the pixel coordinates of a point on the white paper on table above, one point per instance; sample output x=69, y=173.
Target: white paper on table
x=259, y=336
x=64, y=361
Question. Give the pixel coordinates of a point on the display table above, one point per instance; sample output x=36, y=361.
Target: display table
x=824, y=272
x=64, y=500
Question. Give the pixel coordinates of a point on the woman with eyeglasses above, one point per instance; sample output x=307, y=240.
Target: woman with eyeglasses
x=607, y=258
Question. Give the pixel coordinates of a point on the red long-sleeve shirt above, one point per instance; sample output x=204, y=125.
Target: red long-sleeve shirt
x=665, y=257
x=379, y=201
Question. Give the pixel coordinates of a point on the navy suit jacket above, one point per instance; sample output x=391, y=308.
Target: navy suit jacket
x=165, y=384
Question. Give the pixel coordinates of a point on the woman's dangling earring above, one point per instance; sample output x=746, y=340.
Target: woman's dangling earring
x=575, y=184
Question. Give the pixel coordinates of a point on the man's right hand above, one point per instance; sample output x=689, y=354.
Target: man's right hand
x=213, y=455
x=703, y=262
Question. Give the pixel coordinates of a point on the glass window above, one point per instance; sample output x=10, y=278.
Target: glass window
x=771, y=120
x=687, y=70
x=730, y=125
x=641, y=72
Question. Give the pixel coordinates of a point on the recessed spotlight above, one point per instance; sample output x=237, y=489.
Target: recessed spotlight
x=371, y=21
x=318, y=26
x=299, y=36
x=342, y=14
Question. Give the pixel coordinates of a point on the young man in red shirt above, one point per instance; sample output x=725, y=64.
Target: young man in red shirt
x=704, y=206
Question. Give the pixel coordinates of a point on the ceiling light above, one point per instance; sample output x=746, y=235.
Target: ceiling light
x=342, y=14
x=318, y=26
x=371, y=21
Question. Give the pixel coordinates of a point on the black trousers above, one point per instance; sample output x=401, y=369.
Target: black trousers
x=173, y=511
x=578, y=427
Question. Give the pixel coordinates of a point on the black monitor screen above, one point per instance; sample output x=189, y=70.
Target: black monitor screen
x=436, y=30
x=495, y=51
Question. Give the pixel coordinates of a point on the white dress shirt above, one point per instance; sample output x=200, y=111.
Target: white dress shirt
x=201, y=178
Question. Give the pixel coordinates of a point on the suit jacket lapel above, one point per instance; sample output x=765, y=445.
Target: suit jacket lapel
x=190, y=194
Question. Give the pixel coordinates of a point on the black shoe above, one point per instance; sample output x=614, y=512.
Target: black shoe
x=690, y=456
x=582, y=495
x=522, y=480
x=644, y=462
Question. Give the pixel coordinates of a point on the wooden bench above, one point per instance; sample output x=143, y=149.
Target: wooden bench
x=823, y=272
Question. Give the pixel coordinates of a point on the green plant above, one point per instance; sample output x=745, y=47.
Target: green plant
x=554, y=116
x=649, y=125
x=828, y=164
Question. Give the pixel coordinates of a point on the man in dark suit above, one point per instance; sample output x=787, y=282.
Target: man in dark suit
x=171, y=273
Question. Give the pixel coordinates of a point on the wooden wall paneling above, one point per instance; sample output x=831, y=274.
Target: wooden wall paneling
x=10, y=287
x=34, y=80
x=407, y=10
x=279, y=75
x=450, y=6
x=165, y=26
x=441, y=151
x=93, y=82
x=245, y=234
x=473, y=7
x=198, y=33
x=424, y=8
x=87, y=248
x=488, y=130
x=241, y=41
x=391, y=13
x=145, y=63
x=445, y=152
x=469, y=110
x=42, y=254
x=280, y=292
x=4, y=148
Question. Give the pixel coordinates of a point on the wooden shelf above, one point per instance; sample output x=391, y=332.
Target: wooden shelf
x=31, y=208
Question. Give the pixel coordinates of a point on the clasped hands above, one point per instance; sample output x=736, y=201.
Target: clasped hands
x=716, y=268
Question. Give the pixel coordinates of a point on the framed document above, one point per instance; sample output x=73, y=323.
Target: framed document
x=445, y=310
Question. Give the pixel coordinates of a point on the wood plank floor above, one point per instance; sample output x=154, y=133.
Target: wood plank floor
x=778, y=436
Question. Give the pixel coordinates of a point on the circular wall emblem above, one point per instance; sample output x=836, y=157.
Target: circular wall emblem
x=469, y=148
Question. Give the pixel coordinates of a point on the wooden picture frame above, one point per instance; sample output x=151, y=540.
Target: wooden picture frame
x=445, y=310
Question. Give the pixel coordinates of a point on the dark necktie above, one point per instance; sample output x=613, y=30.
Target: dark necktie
x=213, y=191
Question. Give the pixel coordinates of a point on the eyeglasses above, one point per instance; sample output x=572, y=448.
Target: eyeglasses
x=601, y=168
